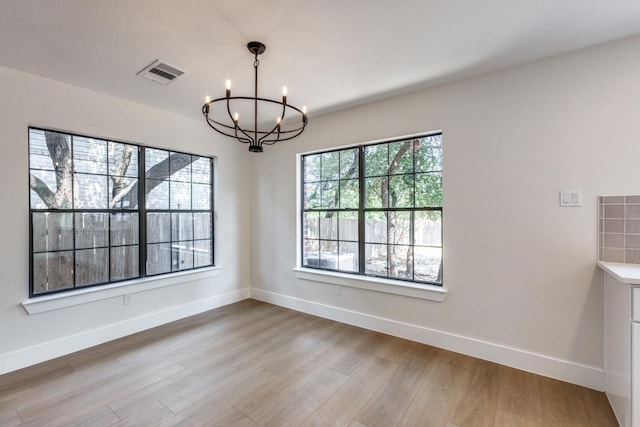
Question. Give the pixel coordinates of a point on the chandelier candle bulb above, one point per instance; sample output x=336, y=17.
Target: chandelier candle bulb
x=228, y=86
x=236, y=116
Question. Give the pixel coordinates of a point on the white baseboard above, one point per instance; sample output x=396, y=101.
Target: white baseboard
x=50, y=350
x=575, y=373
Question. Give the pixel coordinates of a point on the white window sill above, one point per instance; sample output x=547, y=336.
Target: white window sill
x=46, y=303
x=376, y=284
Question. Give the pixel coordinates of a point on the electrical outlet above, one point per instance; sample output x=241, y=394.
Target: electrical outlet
x=338, y=289
x=127, y=299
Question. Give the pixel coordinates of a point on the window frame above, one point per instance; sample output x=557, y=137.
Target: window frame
x=140, y=209
x=361, y=278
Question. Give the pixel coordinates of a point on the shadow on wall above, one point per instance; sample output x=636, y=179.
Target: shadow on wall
x=592, y=316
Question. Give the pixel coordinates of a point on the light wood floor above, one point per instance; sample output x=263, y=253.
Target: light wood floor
x=255, y=364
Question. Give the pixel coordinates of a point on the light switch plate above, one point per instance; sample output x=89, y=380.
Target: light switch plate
x=570, y=198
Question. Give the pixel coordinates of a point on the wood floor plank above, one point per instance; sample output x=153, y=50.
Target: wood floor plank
x=260, y=402
x=213, y=344
x=598, y=408
x=459, y=359
x=477, y=401
x=209, y=373
x=396, y=350
x=339, y=344
x=520, y=394
x=348, y=400
x=241, y=338
x=213, y=403
x=9, y=418
x=436, y=396
x=230, y=418
x=53, y=395
x=507, y=419
x=562, y=404
x=128, y=405
x=149, y=415
x=302, y=346
x=208, y=385
x=78, y=402
x=362, y=352
x=33, y=374
x=103, y=417
x=226, y=368
x=97, y=367
x=262, y=338
x=388, y=405
x=24, y=386
x=296, y=405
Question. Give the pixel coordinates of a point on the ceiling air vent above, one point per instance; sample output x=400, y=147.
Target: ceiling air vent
x=161, y=72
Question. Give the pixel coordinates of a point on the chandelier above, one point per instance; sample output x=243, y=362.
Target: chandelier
x=288, y=121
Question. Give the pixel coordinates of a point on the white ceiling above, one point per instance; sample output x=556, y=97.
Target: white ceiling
x=330, y=53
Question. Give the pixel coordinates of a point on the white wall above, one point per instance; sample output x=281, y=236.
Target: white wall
x=29, y=100
x=523, y=286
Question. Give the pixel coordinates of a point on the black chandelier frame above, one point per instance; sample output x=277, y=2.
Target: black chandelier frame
x=255, y=137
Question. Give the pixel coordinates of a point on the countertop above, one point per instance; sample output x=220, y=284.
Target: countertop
x=624, y=273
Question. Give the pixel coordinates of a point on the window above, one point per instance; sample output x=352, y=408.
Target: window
x=178, y=211
x=87, y=225
x=375, y=209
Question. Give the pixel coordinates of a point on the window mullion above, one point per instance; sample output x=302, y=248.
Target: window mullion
x=193, y=228
x=361, y=216
x=142, y=213
x=302, y=210
x=73, y=214
x=412, y=241
x=213, y=209
x=109, y=214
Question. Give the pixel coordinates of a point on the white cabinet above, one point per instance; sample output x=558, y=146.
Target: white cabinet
x=635, y=374
x=622, y=343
